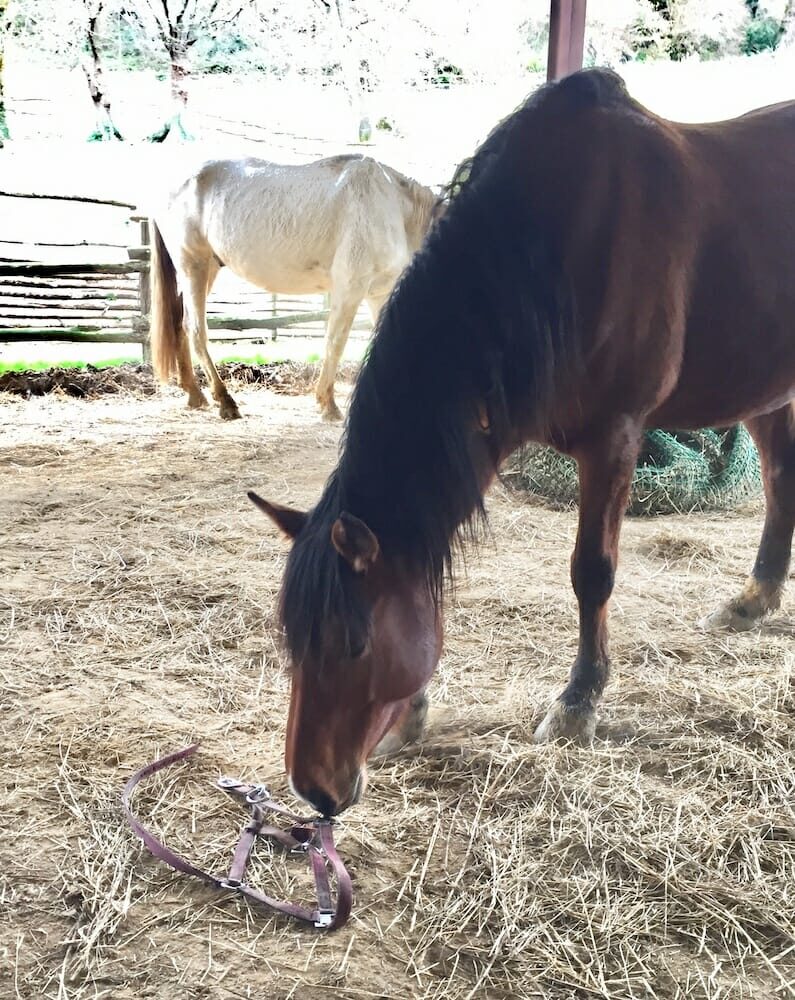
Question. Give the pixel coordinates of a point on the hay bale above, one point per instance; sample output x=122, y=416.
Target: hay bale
x=677, y=472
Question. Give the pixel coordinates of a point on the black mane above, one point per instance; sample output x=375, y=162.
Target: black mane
x=482, y=315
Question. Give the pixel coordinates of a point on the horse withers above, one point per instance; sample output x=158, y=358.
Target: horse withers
x=599, y=270
x=346, y=225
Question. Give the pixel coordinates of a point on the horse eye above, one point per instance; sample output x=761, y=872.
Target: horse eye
x=358, y=642
x=357, y=647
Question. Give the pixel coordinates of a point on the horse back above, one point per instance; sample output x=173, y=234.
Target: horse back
x=677, y=242
x=741, y=303
x=286, y=227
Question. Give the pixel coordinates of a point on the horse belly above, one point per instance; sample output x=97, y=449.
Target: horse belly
x=738, y=363
x=287, y=274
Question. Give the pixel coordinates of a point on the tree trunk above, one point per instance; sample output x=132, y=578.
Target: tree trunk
x=788, y=24
x=179, y=73
x=3, y=30
x=105, y=128
x=347, y=46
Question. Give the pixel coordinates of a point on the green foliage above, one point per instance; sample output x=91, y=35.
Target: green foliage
x=440, y=44
x=445, y=74
x=762, y=34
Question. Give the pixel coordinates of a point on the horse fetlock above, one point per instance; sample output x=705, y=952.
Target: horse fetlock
x=563, y=721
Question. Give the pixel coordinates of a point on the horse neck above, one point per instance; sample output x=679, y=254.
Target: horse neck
x=422, y=205
x=416, y=460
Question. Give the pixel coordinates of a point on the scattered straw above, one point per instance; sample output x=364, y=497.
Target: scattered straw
x=137, y=615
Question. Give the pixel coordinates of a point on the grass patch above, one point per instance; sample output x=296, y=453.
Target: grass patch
x=42, y=366
x=265, y=359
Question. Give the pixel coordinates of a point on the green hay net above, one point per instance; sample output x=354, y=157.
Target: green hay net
x=677, y=472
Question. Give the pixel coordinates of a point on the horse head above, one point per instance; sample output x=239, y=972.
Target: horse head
x=363, y=634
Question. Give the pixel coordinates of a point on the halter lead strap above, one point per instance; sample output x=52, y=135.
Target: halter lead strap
x=314, y=836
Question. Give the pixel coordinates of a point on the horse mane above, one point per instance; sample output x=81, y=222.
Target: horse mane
x=424, y=201
x=483, y=317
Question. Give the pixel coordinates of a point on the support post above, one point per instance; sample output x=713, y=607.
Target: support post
x=566, y=37
x=144, y=299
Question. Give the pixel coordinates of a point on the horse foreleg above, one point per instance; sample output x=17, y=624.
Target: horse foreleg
x=200, y=279
x=339, y=326
x=375, y=303
x=774, y=434
x=606, y=467
x=187, y=376
x=408, y=728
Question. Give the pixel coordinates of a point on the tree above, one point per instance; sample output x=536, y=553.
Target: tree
x=92, y=67
x=344, y=19
x=788, y=23
x=4, y=27
x=175, y=26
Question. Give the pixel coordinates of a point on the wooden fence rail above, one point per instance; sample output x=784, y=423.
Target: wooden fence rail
x=88, y=302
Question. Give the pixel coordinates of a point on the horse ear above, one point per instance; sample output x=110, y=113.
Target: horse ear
x=288, y=520
x=354, y=541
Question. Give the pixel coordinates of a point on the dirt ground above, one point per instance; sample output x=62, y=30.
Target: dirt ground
x=136, y=615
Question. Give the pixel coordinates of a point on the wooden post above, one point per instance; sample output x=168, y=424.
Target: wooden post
x=566, y=37
x=144, y=299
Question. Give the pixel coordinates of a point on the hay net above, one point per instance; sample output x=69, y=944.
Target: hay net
x=677, y=472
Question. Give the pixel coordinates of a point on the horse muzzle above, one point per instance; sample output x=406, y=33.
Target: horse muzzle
x=330, y=797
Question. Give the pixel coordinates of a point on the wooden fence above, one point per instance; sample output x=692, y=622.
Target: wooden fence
x=109, y=303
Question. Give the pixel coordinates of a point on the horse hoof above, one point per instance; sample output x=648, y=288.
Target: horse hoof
x=198, y=402
x=567, y=722
x=331, y=414
x=728, y=619
x=229, y=410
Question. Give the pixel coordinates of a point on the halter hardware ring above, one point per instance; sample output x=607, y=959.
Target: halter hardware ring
x=258, y=793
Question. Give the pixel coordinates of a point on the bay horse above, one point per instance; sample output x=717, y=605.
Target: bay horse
x=598, y=270
x=346, y=225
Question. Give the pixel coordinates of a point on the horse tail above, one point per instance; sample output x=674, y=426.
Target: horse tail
x=166, y=310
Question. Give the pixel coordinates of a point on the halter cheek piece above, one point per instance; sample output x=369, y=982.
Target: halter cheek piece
x=313, y=837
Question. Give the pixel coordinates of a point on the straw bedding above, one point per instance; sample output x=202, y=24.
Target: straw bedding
x=136, y=614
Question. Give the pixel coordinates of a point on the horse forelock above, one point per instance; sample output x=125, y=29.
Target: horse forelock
x=319, y=592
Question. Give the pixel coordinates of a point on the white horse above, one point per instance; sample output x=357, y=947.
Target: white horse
x=346, y=225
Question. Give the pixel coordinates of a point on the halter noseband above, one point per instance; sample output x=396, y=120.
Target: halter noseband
x=314, y=837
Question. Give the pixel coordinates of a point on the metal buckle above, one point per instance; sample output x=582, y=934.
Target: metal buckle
x=233, y=884
x=258, y=793
x=324, y=918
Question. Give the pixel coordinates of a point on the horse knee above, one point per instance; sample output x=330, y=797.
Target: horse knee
x=592, y=577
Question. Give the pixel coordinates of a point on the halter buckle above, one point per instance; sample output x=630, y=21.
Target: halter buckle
x=258, y=794
x=324, y=918
x=226, y=782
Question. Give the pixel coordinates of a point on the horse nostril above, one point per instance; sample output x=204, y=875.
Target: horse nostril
x=324, y=803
